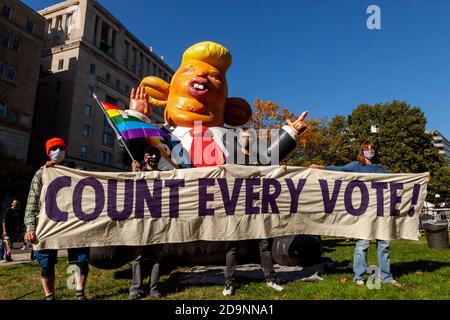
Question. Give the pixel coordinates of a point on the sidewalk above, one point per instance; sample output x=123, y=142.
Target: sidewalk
x=23, y=256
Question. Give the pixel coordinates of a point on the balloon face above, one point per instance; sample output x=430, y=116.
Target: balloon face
x=198, y=92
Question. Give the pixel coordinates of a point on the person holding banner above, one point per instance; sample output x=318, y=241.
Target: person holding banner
x=265, y=245
x=150, y=255
x=55, y=149
x=367, y=161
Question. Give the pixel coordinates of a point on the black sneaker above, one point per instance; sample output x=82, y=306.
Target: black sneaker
x=135, y=296
x=155, y=294
x=229, y=290
x=50, y=296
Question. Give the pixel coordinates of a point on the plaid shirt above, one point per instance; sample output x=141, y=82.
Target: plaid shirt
x=33, y=205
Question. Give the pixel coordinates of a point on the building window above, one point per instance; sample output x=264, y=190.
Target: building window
x=2, y=109
x=13, y=117
x=108, y=133
x=86, y=130
x=29, y=26
x=58, y=86
x=104, y=44
x=69, y=20
x=118, y=83
x=59, y=23
x=108, y=136
x=92, y=69
x=134, y=58
x=55, y=107
x=2, y=68
x=84, y=152
x=16, y=45
x=87, y=110
x=106, y=157
x=61, y=64
x=141, y=66
x=49, y=25
x=11, y=73
x=108, y=77
x=7, y=11
x=90, y=91
x=126, y=57
x=127, y=88
x=110, y=100
x=148, y=67
x=5, y=39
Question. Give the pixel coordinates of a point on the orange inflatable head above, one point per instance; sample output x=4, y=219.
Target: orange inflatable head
x=198, y=90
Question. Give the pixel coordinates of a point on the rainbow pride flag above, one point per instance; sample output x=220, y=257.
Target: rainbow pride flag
x=132, y=125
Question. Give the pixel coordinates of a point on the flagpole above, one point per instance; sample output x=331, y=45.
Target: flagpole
x=119, y=137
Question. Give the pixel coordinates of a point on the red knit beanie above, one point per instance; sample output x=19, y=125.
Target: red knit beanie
x=54, y=142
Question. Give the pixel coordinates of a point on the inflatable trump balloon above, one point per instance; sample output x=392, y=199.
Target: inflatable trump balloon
x=202, y=123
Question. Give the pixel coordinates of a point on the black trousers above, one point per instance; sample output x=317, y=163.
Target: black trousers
x=149, y=259
x=265, y=253
x=138, y=268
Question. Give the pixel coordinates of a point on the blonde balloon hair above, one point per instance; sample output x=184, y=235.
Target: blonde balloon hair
x=209, y=52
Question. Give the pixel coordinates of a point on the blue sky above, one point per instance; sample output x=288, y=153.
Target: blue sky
x=310, y=55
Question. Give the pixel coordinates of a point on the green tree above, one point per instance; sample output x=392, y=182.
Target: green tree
x=325, y=143
x=339, y=149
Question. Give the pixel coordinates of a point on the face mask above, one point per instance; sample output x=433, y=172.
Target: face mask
x=369, y=154
x=153, y=160
x=57, y=155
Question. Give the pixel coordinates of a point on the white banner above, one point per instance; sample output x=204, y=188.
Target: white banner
x=83, y=209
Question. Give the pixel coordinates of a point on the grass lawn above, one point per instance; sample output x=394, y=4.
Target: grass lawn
x=423, y=272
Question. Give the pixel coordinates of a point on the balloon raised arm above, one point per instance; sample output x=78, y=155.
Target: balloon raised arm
x=139, y=101
x=298, y=125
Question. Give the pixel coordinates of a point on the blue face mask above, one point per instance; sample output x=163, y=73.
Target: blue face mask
x=369, y=154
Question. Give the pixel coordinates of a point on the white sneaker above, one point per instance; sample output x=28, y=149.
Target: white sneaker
x=275, y=286
x=229, y=290
x=395, y=283
x=359, y=282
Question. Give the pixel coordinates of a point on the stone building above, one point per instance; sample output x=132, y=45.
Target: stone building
x=87, y=50
x=441, y=143
x=22, y=36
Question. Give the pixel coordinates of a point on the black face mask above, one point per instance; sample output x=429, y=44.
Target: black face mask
x=153, y=161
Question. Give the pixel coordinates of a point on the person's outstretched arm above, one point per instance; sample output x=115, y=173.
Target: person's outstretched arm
x=32, y=209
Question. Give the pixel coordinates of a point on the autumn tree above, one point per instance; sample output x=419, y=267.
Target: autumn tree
x=268, y=115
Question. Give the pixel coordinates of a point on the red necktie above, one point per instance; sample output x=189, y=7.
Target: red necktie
x=205, y=152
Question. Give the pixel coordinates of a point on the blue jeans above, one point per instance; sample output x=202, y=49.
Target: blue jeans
x=360, y=260
x=48, y=257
